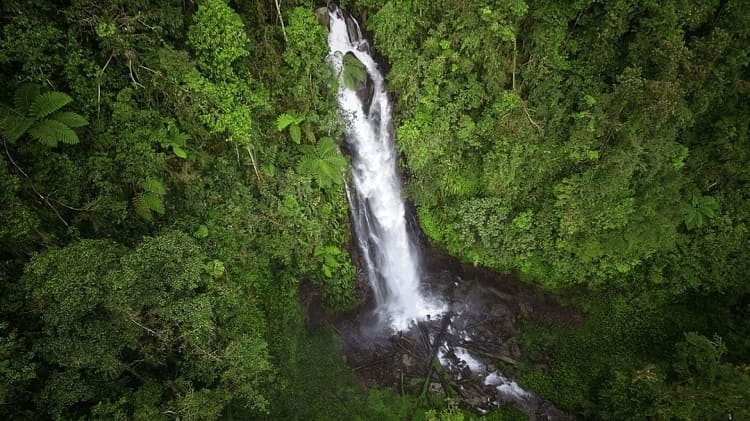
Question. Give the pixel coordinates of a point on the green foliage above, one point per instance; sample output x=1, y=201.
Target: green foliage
x=150, y=200
x=597, y=145
x=638, y=363
x=701, y=209
x=16, y=366
x=324, y=163
x=107, y=318
x=697, y=357
x=171, y=138
x=218, y=38
x=292, y=121
x=600, y=138
x=353, y=71
x=38, y=114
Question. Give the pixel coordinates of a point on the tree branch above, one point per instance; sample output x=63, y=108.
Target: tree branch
x=33, y=187
x=283, y=29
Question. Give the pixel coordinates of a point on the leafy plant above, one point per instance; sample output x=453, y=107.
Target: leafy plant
x=323, y=162
x=215, y=268
x=39, y=114
x=328, y=255
x=353, y=71
x=701, y=209
x=150, y=200
x=292, y=121
x=170, y=137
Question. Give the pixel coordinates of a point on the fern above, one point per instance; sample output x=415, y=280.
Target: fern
x=323, y=162
x=13, y=127
x=155, y=186
x=48, y=102
x=52, y=131
x=70, y=119
x=30, y=113
x=25, y=95
x=154, y=202
x=150, y=200
x=701, y=209
x=141, y=208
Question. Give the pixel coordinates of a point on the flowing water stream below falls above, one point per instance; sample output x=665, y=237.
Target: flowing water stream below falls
x=431, y=323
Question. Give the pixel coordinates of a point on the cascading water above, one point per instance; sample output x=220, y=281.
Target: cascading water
x=378, y=210
x=461, y=335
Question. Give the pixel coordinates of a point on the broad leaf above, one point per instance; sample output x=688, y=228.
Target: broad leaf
x=155, y=186
x=323, y=162
x=296, y=134
x=284, y=120
x=693, y=219
x=179, y=151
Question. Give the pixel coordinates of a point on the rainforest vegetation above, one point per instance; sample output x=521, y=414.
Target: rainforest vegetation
x=171, y=195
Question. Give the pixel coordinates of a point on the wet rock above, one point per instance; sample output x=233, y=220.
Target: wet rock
x=484, y=312
x=525, y=308
x=407, y=361
x=435, y=388
x=515, y=350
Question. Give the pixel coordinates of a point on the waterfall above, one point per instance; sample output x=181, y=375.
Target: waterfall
x=388, y=250
x=378, y=211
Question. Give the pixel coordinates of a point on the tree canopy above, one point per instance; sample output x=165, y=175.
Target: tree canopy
x=171, y=190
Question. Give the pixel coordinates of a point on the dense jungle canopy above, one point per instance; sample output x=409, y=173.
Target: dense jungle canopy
x=171, y=191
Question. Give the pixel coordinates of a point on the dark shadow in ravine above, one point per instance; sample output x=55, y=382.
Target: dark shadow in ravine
x=470, y=352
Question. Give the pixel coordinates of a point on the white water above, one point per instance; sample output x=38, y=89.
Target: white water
x=378, y=210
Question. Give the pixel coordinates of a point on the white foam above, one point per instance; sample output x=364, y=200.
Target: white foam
x=380, y=223
x=476, y=366
x=505, y=385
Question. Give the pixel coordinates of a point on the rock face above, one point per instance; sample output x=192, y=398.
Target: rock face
x=470, y=352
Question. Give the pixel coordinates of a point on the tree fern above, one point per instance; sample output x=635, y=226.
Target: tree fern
x=39, y=115
x=25, y=95
x=50, y=132
x=13, y=123
x=323, y=162
x=48, y=102
x=150, y=200
x=70, y=119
